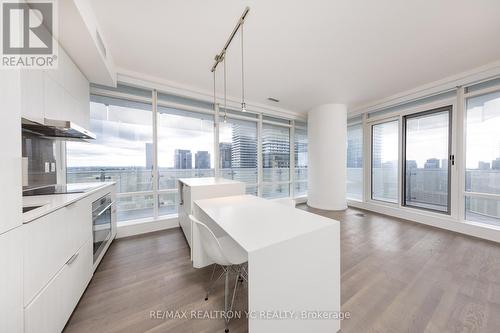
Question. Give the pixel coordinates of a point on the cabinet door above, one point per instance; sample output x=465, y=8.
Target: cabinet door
x=11, y=277
x=10, y=165
x=54, y=99
x=50, y=241
x=77, y=87
x=51, y=309
x=32, y=94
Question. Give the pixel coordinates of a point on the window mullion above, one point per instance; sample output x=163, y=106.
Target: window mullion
x=155, y=174
x=259, y=156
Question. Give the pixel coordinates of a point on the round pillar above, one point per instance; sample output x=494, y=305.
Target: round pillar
x=327, y=135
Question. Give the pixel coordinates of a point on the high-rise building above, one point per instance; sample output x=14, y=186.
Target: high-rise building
x=483, y=165
x=355, y=147
x=495, y=164
x=225, y=150
x=275, y=149
x=444, y=163
x=431, y=163
x=202, y=160
x=149, y=156
x=411, y=164
x=244, y=147
x=183, y=159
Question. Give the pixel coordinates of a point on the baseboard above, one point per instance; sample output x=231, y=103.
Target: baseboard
x=144, y=226
x=473, y=229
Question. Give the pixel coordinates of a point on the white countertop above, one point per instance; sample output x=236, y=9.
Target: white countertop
x=207, y=181
x=255, y=223
x=53, y=202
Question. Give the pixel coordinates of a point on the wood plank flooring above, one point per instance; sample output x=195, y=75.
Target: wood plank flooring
x=397, y=276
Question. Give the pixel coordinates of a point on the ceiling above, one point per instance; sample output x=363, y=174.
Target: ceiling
x=304, y=53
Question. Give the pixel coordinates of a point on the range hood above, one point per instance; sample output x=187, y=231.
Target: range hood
x=57, y=129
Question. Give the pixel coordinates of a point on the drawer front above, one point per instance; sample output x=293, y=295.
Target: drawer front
x=50, y=241
x=51, y=309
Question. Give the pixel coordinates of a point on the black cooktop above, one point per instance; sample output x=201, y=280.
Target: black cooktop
x=53, y=189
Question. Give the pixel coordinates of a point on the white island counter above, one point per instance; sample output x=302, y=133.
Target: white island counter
x=293, y=260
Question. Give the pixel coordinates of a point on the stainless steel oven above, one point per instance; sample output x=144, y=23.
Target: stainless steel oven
x=101, y=224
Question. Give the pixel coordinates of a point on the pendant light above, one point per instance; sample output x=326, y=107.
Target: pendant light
x=243, y=105
x=215, y=98
x=225, y=95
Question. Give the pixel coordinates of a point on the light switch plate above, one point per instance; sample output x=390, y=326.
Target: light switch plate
x=47, y=167
x=53, y=167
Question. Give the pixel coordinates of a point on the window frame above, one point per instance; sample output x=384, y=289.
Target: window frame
x=257, y=117
x=464, y=195
x=370, y=169
x=449, y=109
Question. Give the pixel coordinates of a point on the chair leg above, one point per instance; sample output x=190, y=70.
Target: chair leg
x=238, y=277
x=212, y=285
x=226, y=300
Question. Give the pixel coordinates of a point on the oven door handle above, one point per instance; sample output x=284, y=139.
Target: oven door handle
x=104, y=209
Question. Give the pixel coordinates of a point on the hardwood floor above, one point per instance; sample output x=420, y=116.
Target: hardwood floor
x=397, y=276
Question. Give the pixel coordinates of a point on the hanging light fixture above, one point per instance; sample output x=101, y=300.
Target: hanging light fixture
x=225, y=95
x=243, y=105
x=221, y=57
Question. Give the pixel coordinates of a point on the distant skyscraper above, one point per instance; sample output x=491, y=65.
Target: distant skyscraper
x=411, y=164
x=225, y=150
x=444, y=163
x=244, y=147
x=149, y=156
x=432, y=163
x=275, y=149
x=183, y=159
x=495, y=165
x=202, y=160
x=355, y=147
x=483, y=165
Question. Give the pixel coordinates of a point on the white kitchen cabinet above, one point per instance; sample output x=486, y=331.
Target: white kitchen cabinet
x=10, y=166
x=191, y=189
x=11, y=277
x=50, y=241
x=52, y=307
x=54, y=106
x=61, y=93
x=32, y=92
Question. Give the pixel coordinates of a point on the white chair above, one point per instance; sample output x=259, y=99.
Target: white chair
x=226, y=253
x=285, y=201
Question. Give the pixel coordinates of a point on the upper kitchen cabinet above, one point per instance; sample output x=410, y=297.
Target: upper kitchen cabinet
x=66, y=92
x=32, y=94
x=61, y=93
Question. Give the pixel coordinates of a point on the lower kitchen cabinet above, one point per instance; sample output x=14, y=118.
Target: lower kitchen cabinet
x=50, y=241
x=52, y=307
x=11, y=285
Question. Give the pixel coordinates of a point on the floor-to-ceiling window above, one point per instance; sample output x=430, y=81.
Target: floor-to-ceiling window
x=482, y=176
x=301, y=162
x=147, y=147
x=120, y=153
x=385, y=147
x=238, y=151
x=185, y=150
x=426, y=160
x=275, y=158
x=354, y=178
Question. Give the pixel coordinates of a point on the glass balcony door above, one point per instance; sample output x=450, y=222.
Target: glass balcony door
x=426, y=156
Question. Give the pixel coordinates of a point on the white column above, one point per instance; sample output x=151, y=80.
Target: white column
x=327, y=135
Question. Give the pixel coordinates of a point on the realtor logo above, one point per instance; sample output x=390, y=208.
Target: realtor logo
x=28, y=30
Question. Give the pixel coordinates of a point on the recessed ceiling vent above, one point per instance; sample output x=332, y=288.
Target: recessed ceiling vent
x=272, y=99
